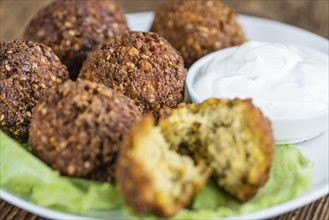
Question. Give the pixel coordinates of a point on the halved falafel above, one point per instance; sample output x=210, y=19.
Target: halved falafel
x=161, y=167
x=196, y=28
x=78, y=126
x=144, y=66
x=73, y=28
x=232, y=136
x=154, y=178
x=27, y=71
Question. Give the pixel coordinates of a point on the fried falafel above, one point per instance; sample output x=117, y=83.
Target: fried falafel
x=143, y=66
x=196, y=28
x=27, y=71
x=73, y=28
x=78, y=126
x=230, y=137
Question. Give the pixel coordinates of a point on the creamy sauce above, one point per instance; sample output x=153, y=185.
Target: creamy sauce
x=282, y=80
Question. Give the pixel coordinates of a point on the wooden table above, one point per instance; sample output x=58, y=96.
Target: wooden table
x=311, y=15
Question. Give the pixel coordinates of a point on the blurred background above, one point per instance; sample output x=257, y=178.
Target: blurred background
x=311, y=15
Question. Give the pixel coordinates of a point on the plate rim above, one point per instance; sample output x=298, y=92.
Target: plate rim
x=264, y=213
x=36, y=209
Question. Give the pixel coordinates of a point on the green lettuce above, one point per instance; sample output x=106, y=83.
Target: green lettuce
x=26, y=176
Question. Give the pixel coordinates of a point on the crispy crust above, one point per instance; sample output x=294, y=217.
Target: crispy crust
x=27, y=71
x=143, y=66
x=74, y=28
x=196, y=28
x=136, y=183
x=77, y=128
x=263, y=126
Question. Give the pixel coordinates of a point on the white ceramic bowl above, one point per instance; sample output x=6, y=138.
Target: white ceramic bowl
x=286, y=129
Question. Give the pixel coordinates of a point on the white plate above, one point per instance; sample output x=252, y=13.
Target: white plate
x=316, y=150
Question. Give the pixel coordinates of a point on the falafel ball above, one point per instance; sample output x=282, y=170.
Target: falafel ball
x=73, y=28
x=78, y=126
x=27, y=71
x=230, y=137
x=143, y=66
x=196, y=28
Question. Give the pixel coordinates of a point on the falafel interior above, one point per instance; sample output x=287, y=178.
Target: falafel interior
x=161, y=167
x=154, y=178
x=232, y=136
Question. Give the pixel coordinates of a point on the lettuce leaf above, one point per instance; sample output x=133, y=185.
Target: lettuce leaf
x=26, y=176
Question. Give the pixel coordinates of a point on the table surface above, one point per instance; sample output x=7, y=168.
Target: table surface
x=307, y=14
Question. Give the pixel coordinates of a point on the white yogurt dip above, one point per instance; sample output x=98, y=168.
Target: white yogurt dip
x=282, y=80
